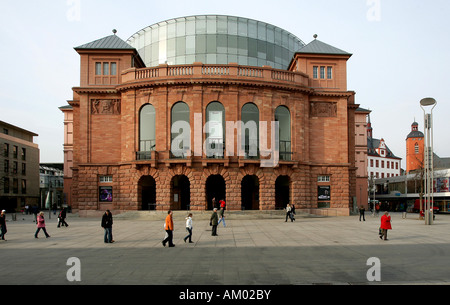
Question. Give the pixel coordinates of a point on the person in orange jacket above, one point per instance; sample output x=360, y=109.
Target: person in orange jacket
x=385, y=225
x=168, y=226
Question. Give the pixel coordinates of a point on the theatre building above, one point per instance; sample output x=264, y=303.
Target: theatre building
x=204, y=107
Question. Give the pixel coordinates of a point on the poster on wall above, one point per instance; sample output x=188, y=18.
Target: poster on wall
x=441, y=185
x=105, y=194
x=324, y=192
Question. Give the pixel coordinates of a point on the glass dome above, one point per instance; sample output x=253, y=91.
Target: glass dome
x=215, y=39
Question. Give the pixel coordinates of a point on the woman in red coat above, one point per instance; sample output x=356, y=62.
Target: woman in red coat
x=385, y=225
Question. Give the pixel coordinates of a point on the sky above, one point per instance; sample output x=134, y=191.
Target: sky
x=401, y=54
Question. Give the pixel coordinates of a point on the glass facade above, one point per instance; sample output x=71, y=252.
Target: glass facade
x=215, y=39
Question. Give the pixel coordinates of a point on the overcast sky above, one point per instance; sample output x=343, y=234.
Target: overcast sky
x=401, y=54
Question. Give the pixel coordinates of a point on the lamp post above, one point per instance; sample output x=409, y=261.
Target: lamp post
x=429, y=171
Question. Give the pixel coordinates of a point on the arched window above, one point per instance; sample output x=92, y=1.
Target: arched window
x=147, y=137
x=283, y=116
x=180, y=130
x=215, y=130
x=250, y=131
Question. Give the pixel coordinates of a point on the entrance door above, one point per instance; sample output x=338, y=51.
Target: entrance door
x=250, y=193
x=181, y=193
x=282, y=192
x=147, y=191
x=215, y=188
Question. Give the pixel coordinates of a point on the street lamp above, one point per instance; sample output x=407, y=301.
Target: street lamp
x=429, y=171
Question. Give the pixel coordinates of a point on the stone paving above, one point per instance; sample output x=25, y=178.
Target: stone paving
x=250, y=250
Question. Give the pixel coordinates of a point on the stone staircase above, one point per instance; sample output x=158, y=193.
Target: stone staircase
x=205, y=215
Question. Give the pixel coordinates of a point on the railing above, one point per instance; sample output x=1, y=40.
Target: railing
x=285, y=152
x=146, y=147
x=201, y=70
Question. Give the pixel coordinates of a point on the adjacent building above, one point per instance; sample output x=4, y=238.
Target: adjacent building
x=382, y=163
x=19, y=168
x=211, y=107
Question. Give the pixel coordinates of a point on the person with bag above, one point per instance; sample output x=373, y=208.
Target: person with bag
x=41, y=225
x=222, y=212
x=62, y=218
x=385, y=225
x=168, y=226
x=189, y=228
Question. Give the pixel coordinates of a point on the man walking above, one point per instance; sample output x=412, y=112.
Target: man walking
x=168, y=226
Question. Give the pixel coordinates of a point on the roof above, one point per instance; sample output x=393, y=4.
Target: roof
x=319, y=47
x=112, y=42
x=415, y=134
x=373, y=144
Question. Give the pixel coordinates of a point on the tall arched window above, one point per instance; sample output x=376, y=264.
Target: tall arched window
x=180, y=130
x=250, y=131
x=215, y=130
x=283, y=116
x=147, y=136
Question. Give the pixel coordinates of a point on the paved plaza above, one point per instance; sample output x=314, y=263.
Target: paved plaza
x=250, y=250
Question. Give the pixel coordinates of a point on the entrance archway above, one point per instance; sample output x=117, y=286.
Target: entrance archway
x=250, y=192
x=215, y=188
x=282, y=192
x=147, y=193
x=180, y=193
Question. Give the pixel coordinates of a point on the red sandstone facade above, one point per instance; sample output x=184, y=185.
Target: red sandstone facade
x=106, y=135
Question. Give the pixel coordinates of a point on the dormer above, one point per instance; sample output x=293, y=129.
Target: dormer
x=103, y=60
x=381, y=150
x=325, y=65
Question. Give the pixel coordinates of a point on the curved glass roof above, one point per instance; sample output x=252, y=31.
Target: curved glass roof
x=215, y=39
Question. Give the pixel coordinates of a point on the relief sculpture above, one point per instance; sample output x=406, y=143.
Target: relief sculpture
x=323, y=109
x=105, y=107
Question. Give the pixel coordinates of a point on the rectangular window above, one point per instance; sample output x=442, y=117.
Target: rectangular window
x=329, y=72
x=6, y=150
x=113, y=68
x=15, y=151
x=15, y=186
x=376, y=163
x=382, y=164
x=315, y=72
x=24, y=186
x=6, y=166
x=106, y=68
x=106, y=179
x=24, y=154
x=322, y=72
x=371, y=163
x=323, y=179
x=6, y=186
x=98, y=68
x=24, y=169
x=15, y=165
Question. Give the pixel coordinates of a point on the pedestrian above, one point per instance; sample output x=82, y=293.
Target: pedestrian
x=214, y=221
x=3, y=225
x=292, y=212
x=62, y=218
x=107, y=222
x=361, y=213
x=222, y=212
x=385, y=225
x=41, y=225
x=189, y=228
x=168, y=226
x=288, y=212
